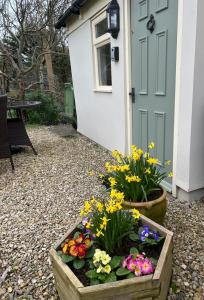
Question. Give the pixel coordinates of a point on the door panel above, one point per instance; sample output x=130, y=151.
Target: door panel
x=153, y=75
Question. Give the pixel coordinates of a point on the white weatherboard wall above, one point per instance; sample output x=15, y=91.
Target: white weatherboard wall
x=101, y=116
x=190, y=116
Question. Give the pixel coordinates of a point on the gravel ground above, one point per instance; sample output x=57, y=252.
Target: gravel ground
x=42, y=198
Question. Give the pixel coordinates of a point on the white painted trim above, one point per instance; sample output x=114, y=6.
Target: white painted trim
x=177, y=92
x=103, y=90
x=97, y=43
x=128, y=69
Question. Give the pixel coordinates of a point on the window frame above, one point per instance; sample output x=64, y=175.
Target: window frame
x=97, y=43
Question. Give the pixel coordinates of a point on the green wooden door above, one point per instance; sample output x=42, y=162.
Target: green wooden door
x=153, y=75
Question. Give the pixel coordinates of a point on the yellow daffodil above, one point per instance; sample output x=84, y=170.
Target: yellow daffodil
x=170, y=174
x=168, y=162
x=91, y=173
x=88, y=225
x=136, y=214
x=87, y=207
x=132, y=179
x=112, y=181
x=148, y=171
x=152, y=161
x=99, y=207
x=151, y=145
x=99, y=233
x=105, y=221
x=117, y=155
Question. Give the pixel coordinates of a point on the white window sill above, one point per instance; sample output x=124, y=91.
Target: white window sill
x=108, y=90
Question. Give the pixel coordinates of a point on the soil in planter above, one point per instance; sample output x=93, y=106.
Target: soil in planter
x=150, y=252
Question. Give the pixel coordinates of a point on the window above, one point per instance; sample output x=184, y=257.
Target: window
x=102, y=54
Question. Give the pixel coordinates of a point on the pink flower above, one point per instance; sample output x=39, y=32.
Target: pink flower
x=147, y=267
x=138, y=268
x=131, y=264
x=126, y=260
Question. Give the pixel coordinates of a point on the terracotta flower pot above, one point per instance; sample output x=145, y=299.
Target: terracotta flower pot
x=155, y=209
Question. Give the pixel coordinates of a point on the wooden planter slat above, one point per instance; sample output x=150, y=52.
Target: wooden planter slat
x=150, y=287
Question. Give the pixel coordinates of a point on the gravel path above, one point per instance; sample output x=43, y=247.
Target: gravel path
x=43, y=197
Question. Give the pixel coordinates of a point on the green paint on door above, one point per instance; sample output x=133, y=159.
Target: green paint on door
x=153, y=75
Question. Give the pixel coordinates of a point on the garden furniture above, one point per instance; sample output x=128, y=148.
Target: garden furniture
x=16, y=126
x=5, y=151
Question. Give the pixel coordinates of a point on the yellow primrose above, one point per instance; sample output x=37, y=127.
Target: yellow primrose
x=105, y=258
x=136, y=214
x=99, y=233
x=152, y=161
x=99, y=269
x=151, y=145
x=170, y=174
x=107, y=269
x=112, y=181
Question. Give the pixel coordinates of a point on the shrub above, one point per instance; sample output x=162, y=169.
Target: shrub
x=47, y=113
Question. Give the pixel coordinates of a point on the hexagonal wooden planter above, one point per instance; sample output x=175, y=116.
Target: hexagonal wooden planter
x=150, y=287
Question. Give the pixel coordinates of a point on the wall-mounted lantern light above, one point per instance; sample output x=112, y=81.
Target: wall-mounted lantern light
x=113, y=18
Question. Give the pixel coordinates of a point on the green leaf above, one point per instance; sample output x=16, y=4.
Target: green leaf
x=76, y=235
x=134, y=237
x=102, y=277
x=134, y=251
x=78, y=263
x=131, y=275
x=90, y=253
x=122, y=272
x=91, y=274
x=67, y=258
x=59, y=253
x=115, y=262
x=94, y=282
x=154, y=261
x=111, y=277
x=91, y=265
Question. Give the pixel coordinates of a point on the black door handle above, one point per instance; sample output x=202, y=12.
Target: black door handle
x=132, y=94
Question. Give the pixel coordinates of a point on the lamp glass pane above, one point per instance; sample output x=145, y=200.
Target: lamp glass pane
x=104, y=65
x=101, y=28
x=114, y=19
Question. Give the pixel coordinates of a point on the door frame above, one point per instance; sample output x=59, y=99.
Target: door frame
x=128, y=83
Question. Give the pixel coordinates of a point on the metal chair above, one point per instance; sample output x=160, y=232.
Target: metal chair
x=17, y=132
x=5, y=150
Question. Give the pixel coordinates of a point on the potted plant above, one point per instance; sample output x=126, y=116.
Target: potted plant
x=113, y=254
x=138, y=176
